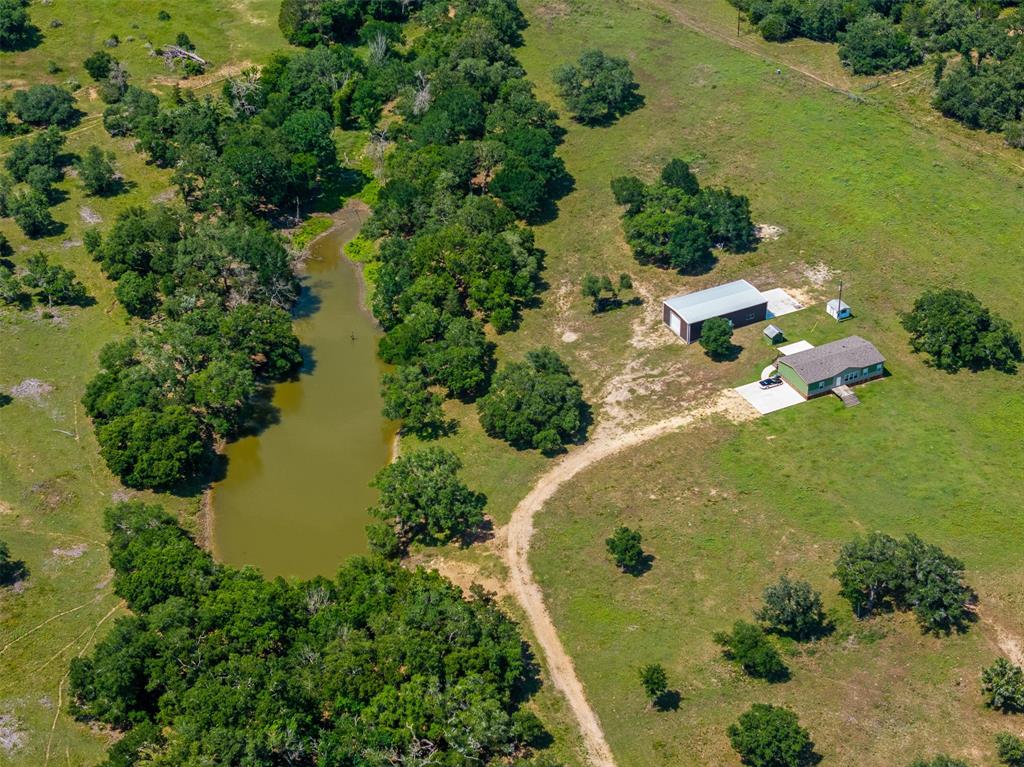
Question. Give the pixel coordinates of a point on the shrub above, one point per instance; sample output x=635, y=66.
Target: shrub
x=677, y=174
x=771, y=736
x=775, y=28
x=1002, y=686
x=654, y=681
x=534, y=403
x=1010, y=749
x=749, y=646
x=716, y=337
x=624, y=546
x=1013, y=134
x=957, y=331
x=939, y=761
x=792, y=608
x=98, y=65
x=54, y=283
x=31, y=212
x=96, y=170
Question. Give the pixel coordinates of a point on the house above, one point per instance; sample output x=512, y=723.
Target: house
x=739, y=302
x=817, y=371
x=839, y=309
x=774, y=334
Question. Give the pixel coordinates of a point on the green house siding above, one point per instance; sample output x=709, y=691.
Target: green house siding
x=790, y=376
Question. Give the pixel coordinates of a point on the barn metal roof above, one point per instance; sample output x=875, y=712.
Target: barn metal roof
x=831, y=359
x=716, y=301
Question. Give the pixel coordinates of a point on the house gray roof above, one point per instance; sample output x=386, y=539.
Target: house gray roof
x=716, y=301
x=829, y=360
x=772, y=330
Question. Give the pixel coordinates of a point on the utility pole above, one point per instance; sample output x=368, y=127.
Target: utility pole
x=839, y=308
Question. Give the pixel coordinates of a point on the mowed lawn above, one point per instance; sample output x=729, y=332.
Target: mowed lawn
x=891, y=208
x=53, y=483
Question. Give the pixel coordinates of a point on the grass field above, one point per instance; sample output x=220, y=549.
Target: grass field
x=874, y=191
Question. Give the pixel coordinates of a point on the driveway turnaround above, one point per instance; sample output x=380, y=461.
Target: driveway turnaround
x=769, y=400
x=780, y=302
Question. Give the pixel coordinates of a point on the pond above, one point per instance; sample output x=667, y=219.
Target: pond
x=295, y=496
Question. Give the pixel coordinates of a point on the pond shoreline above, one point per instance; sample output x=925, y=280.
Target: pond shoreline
x=355, y=212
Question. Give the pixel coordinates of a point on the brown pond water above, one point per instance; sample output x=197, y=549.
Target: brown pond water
x=295, y=497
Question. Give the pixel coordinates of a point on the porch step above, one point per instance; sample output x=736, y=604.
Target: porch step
x=845, y=393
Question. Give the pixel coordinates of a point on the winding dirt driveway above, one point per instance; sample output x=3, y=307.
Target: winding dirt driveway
x=520, y=530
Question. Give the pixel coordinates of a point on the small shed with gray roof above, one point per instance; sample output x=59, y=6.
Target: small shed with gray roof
x=818, y=371
x=739, y=302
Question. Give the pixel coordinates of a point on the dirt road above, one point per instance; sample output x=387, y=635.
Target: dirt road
x=520, y=530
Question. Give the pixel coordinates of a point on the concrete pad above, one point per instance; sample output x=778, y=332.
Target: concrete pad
x=793, y=348
x=780, y=303
x=769, y=400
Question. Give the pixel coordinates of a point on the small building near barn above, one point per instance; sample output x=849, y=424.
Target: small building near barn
x=774, y=334
x=839, y=309
x=818, y=371
x=739, y=302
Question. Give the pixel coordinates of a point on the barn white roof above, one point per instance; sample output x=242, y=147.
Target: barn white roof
x=716, y=301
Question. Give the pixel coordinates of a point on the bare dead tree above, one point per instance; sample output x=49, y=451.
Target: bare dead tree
x=244, y=89
x=422, y=97
x=376, y=150
x=379, y=48
x=173, y=53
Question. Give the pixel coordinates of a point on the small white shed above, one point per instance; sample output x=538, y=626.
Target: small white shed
x=839, y=309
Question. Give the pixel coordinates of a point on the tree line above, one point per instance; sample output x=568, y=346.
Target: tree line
x=982, y=88
x=379, y=665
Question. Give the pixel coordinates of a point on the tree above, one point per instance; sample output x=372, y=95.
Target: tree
x=771, y=736
x=669, y=239
x=98, y=65
x=10, y=286
x=43, y=149
x=749, y=646
x=624, y=546
x=956, y=331
x=1010, y=749
x=727, y=216
x=716, y=337
x=45, y=104
x=520, y=187
x=873, y=44
x=423, y=499
x=1002, y=686
x=881, y=572
x=594, y=288
x=96, y=169
x=597, y=88
x=677, y=174
x=138, y=295
x=15, y=28
x=31, y=212
x=534, y=403
x=654, y=681
x=408, y=398
x=11, y=570
x=792, y=608
x=54, y=283
x=461, y=359
x=153, y=449
x=630, y=191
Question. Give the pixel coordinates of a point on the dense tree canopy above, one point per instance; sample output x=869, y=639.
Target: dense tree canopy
x=872, y=44
x=16, y=28
x=879, y=572
x=771, y=736
x=534, y=403
x=957, y=331
x=44, y=105
x=674, y=223
x=218, y=666
x=598, y=87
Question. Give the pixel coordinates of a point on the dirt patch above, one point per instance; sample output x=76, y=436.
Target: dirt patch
x=768, y=232
x=555, y=9
x=12, y=735
x=68, y=244
x=31, y=388
x=819, y=274
x=89, y=215
x=465, y=574
x=165, y=196
x=194, y=83
x=72, y=552
x=569, y=337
